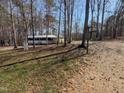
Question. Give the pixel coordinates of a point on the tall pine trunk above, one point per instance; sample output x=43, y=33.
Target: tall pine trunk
x=32, y=23
x=59, y=26
x=85, y=23
x=65, y=23
x=98, y=14
x=71, y=20
x=103, y=13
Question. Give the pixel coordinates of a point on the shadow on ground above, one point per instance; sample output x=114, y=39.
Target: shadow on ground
x=69, y=54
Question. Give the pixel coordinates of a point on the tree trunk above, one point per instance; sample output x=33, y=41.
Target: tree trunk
x=92, y=13
x=68, y=20
x=32, y=23
x=59, y=26
x=25, y=30
x=65, y=29
x=13, y=26
x=98, y=13
x=85, y=23
x=71, y=21
x=103, y=12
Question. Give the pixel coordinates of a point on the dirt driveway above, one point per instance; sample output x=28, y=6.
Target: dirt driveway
x=5, y=48
x=105, y=73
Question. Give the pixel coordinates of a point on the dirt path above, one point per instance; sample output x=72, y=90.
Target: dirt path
x=5, y=48
x=105, y=73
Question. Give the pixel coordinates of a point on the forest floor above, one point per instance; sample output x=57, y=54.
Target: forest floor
x=105, y=70
x=61, y=69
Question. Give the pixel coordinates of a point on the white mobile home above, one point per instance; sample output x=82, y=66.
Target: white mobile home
x=42, y=39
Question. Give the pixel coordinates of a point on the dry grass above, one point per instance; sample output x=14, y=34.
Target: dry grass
x=44, y=70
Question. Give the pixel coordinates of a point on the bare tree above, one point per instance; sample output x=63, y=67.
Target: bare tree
x=32, y=23
x=98, y=14
x=65, y=24
x=25, y=23
x=59, y=26
x=92, y=4
x=71, y=19
x=103, y=13
x=13, y=24
x=85, y=23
